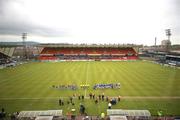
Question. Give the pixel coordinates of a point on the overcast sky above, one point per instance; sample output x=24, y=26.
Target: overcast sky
x=90, y=21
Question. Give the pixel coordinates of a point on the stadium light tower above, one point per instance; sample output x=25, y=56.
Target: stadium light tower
x=168, y=42
x=168, y=33
x=155, y=41
x=24, y=37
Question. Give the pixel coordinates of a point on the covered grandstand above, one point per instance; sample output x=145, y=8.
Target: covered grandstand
x=3, y=58
x=8, y=51
x=173, y=60
x=87, y=53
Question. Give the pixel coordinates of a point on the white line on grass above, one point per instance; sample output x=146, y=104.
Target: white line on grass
x=87, y=77
x=124, y=97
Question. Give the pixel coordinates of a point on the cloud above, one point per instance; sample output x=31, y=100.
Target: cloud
x=97, y=21
x=13, y=22
x=16, y=28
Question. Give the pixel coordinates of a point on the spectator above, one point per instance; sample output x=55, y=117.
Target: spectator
x=13, y=117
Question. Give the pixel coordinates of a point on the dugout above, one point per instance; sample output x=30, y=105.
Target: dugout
x=40, y=115
x=115, y=114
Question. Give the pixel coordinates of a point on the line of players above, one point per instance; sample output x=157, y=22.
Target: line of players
x=96, y=86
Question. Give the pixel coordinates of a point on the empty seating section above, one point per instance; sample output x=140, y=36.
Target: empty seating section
x=64, y=53
x=7, y=51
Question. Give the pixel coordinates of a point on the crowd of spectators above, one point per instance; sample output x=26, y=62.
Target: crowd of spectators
x=5, y=116
x=2, y=113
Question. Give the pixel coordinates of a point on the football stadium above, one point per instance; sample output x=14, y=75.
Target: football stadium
x=89, y=60
x=71, y=77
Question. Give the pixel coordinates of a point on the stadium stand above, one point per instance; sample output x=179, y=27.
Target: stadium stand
x=3, y=58
x=88, y=53
x=7, y=51
x=173, y=60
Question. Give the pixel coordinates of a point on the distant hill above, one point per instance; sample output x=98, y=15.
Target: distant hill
x=18, y=43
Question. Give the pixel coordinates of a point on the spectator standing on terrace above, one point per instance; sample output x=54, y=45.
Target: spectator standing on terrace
x=2, y=113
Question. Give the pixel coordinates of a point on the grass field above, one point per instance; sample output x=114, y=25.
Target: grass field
x=144, y=85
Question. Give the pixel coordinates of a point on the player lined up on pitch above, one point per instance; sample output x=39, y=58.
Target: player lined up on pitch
x=87, y=86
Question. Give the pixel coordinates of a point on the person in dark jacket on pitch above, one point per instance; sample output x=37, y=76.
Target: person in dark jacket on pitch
x=99, y=97
x=93, y=96
x=90, y=95
x=70, y=99
x=82, y=97
x=79, y=96
x=103, y=97
x=60, y=102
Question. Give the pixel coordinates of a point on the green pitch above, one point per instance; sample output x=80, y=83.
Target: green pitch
x=144, y=85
